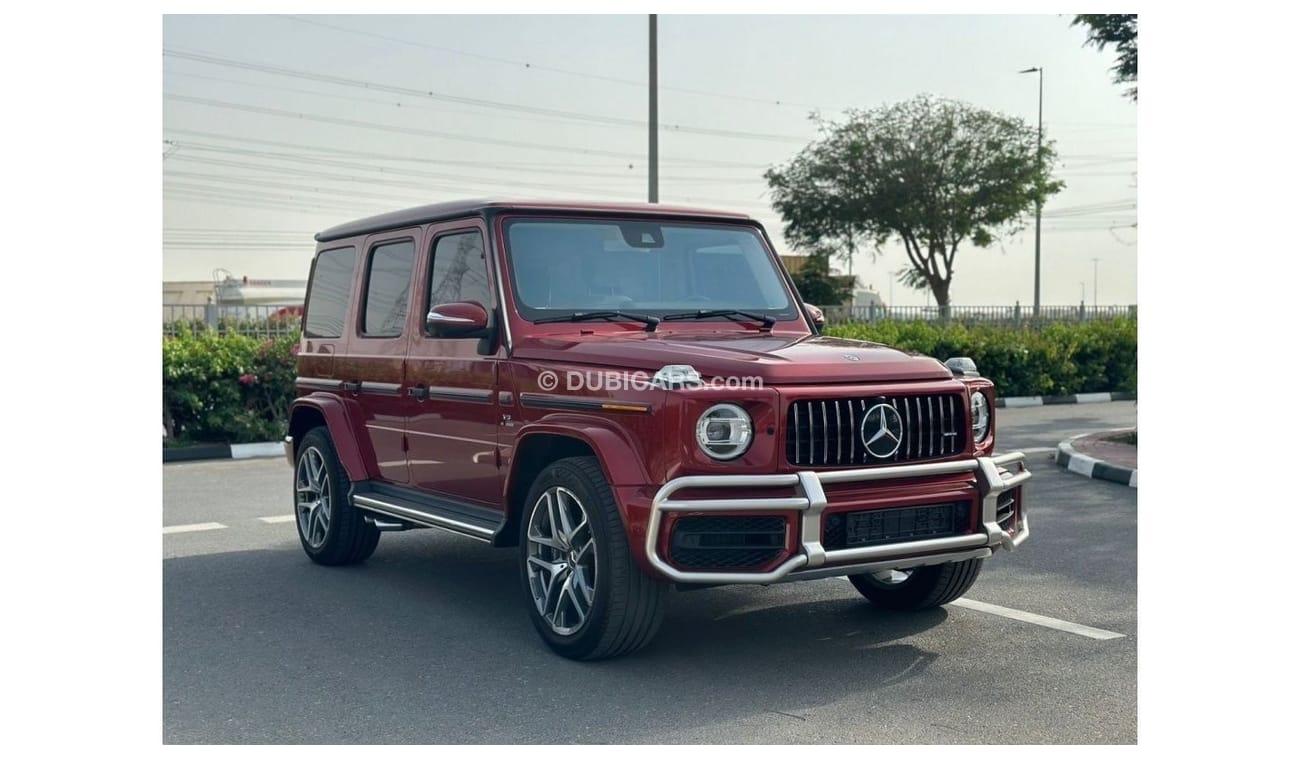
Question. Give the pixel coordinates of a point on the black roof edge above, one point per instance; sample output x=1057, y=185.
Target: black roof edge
x=438, y=212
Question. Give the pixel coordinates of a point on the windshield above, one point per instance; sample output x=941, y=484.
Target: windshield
x=561, y=267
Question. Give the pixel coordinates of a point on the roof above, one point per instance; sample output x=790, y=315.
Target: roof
x=457, y=209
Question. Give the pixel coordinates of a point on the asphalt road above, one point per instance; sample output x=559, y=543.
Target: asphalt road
x=428, y=641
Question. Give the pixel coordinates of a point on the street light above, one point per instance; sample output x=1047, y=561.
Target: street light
x=1038, y=205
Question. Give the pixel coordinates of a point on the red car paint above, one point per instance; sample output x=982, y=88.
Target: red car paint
x=466, y=443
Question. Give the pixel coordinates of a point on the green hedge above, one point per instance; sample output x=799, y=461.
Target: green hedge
x=1053, y=360
x=227, y=388
x=237, y=389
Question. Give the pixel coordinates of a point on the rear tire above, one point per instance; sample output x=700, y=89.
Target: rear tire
x=331, y=530
x=923, y=588
x=585, y=594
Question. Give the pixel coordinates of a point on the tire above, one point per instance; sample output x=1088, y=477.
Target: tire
x=924, y=588
x=320, y=492
x=603, y=605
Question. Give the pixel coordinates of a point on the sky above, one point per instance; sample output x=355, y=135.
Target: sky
x=275, y=127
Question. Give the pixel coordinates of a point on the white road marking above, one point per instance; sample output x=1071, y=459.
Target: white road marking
x=277, y=519
x=1019, y=402
x=1043, y=620
x=1091, y=398
x=191, y=528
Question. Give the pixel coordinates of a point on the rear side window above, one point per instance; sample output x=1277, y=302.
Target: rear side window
x=331, y=284
x=388, y=286
x=459, y=270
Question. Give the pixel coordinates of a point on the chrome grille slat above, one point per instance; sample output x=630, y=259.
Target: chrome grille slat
x=794, y=412
x=826, y=435
x=929, y=424
x=932, y=428
x=839, y=434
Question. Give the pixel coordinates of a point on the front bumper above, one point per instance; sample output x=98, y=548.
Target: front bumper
x=812, y=560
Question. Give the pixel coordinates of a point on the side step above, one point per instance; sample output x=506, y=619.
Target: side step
x=426, y=510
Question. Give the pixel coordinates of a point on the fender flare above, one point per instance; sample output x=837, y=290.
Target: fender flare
x=618, y=455
x=352, y=446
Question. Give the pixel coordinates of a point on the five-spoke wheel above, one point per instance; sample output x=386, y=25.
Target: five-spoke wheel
x=332, y=531
x=313, y=497
x=586, y=595
x=562, y=562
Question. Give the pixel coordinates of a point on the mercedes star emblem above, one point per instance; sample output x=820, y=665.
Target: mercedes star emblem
x=852, y=357
x=882, y=431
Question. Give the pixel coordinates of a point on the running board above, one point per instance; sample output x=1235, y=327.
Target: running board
x=427, y=510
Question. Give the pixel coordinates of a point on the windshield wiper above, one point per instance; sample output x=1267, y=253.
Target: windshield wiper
x=736, y=315
x=582, y=316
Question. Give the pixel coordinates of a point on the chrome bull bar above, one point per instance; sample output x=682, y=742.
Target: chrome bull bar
x=991, y=476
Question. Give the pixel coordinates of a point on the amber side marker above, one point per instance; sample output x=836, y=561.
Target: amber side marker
x=643, y=408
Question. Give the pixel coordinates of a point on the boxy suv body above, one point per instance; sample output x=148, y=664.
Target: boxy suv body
x=634, y=398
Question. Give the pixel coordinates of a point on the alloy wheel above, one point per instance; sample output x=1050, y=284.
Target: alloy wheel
x=561, y=560
x=312, y=497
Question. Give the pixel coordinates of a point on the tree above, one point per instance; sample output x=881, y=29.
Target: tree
x=929, y=172
x=1122, y=32
x=816, y=284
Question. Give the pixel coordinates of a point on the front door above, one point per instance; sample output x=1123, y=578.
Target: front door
x=452, y=427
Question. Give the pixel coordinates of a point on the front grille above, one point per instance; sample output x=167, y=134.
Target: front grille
x=890, y=526
x=828, y=432
x=726, y=542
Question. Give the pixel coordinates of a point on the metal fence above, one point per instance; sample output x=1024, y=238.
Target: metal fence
x=1002, y=315
x=255, y=321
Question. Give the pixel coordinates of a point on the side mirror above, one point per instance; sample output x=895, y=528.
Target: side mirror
x=461, y=319
x=818, y=318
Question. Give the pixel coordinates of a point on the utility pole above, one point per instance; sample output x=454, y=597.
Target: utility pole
x=1038, y=205
x=654, y=108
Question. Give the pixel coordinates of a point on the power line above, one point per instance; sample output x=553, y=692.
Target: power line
x=552, y=69
x=547, y=167
x=480, y=102
x=507, y=181
x=413, y=131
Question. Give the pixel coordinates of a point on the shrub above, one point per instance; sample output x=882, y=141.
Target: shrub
x=227, y=388
x=1055, y=360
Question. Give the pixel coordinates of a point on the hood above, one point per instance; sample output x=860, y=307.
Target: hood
x=776, y=358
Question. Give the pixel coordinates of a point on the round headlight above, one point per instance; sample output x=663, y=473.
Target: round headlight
x=724, y=431
x=979, y=416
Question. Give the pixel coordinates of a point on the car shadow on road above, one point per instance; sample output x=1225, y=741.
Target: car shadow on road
x=428, y=641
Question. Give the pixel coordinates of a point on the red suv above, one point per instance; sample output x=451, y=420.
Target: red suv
x=633, y=397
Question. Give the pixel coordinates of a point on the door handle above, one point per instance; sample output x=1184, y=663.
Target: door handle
x=352, y=387
x=418, y=392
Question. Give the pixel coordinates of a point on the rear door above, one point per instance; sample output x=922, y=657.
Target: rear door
x=374, y=372
x=324, y=328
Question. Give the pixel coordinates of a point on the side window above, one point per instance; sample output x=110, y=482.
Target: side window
x=331, y=284
x=388, y=284
x=459, y=271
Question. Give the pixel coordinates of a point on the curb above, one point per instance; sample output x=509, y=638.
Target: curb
x=1016, y=402
x=1092, y=467
x=205, y=451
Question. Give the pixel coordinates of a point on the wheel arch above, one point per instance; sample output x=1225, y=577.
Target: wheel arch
x=314, y=410
x=541, y=444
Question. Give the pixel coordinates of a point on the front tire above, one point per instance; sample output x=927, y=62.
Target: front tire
x=331, y=530
x=919, y=588
x=586, y=595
